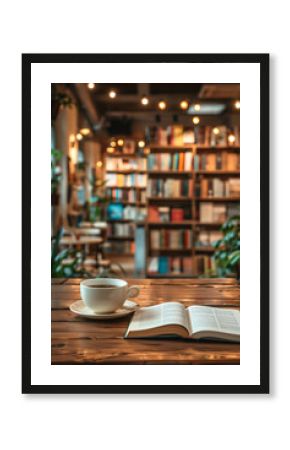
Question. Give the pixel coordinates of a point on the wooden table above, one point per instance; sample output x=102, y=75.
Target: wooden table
x=83, y=341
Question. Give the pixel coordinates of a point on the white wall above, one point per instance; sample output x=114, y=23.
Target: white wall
x=74, y=422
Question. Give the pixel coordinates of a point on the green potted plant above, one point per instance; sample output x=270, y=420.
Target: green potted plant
x=227, y=249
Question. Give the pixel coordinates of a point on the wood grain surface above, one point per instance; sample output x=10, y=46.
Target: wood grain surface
x=76, y=340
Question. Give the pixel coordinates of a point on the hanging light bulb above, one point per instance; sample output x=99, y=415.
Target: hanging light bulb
x=85, y=131
x=231, y=138
x=144, y=100
x=197, y=107
x=113, y=144
x=110, y=149
x=141, y=144
x=112, y=93
x=216, y=130
x=195, y=120
x=99, y=164
x=162, y=105
x=120, y=142
x=91, y=85
x=79, y=136
x=237, y=104
x=183, y=104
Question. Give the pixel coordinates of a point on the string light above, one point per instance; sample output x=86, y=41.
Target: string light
x=197, y=107
x=91, y=85
x=237, y=104
x=110, y=149
x=183, y=104
x=162, y=105
x=120, y=142
x=112, y=93
x=231, y=138
x=79, y=136
x=141, y=144
x=99, y=164
x=144, y=100
x=195, y=120
x=216, y=130
x=85, y=131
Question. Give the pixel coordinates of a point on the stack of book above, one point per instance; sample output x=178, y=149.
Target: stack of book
x=217, y=161
x=215, y=187
x=167, y=214
x=170, y=265
x=125, y=163
x=121, y=229
x=165, y=239
x=169, y=187
x=121, y=180
x=117, y=211
x=213, y=213
x=181, y=161
x=175, y=135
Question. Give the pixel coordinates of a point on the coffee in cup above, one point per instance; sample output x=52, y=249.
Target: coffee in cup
x=105, y=295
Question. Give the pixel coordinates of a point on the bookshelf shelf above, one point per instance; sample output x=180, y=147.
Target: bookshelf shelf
x=170, y=224
x=218, y=172
x=165, y=173
x=217, y=199
x=120, y=238
x=204, y=249
x=169, y=199
x=217, y=148
x=126, y=187
x=170, y=251
x=126, y=171
x=168, y=275
x=168, y=148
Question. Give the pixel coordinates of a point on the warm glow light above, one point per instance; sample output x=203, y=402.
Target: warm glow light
x=197, y=107
x=231, y=138
x=110, y=149
x=91, y=85
x=72, y=138
x=216, y=130
x=113, y=144
x=237, y=104
x=141, y=144
x=183, y=104
x=147, y=150
x=120, y=142
x=162, y=105
x=195, y=120
x=85, y=131
x=112, y=94
x=99, y=163
x=79, y=136
x=145, y=100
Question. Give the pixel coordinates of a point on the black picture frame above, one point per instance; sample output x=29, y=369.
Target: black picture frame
x=27, y=61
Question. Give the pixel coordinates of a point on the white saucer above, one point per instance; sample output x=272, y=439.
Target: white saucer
x=82, y=310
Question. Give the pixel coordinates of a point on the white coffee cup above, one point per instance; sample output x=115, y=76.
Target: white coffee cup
x=105, y=295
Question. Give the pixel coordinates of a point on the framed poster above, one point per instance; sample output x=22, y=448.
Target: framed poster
x=132, y=225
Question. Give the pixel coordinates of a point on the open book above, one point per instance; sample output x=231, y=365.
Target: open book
x=193, y=322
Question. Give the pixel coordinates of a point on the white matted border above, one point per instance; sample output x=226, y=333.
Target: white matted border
x=42, y=372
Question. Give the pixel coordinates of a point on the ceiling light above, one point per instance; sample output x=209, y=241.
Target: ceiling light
x=85, y=131
x=162, y=105
x=112, y=93
x=183, y=104
x=79, y=136
x=195, y=120
x=197, y=107
x=141, y=144
x=237, y=104
x=120, y=142
x=91, y=85
x=144, y=100
x=216, y=130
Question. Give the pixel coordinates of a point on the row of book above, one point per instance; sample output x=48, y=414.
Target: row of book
x=170, y=161
x=203, y=135
x=130, y=180
x=205, y=265
x=168, y=214
x=217, y=213
x=126, y=163
x=117, y=211
x=207, y=238
x=120, y=247
x=127, y=195
x=121, y=229
x=217, y=161
x=170, y=265
x=169, y=187
x=170, y=239
x=215, y=187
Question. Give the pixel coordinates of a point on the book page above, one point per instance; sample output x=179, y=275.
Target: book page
x=149, y=317
x=213, y=319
